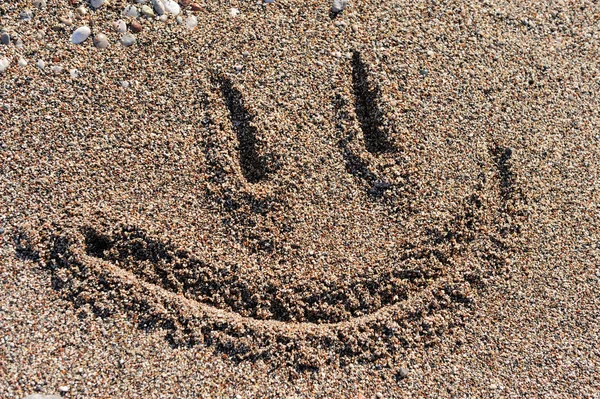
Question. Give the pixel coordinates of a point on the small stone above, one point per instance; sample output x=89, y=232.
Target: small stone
x=81, y=10
x=132, y=11
x=63, y=389
x=26, y=15
x=74, y=73
x=5, y=38
x=1, y=230
x=191, y=22
x=163, y=17
x=135, y=26
x=66, y=20
x=195, y=7
x=338, y=6
x=184, y=3
x=179, y=19
x=120, y=26
x=97, y=3
x=268, y=1
x=128, y=40
x=234, y=12
x=403, y=372
x=38, y=396
x=238, y=67
x=424, y=72
x=19, y=43
x=80, y=35
x=246, y=53
x=22, y=62
x=379, y=395
x=101, y=41
x=41, y=64
x=172, y=7
x=147, y=11
x=39, y=3
x=159, y=7
x=493, y=386
x=4, y=64
x=56, y=69
x=124, y=84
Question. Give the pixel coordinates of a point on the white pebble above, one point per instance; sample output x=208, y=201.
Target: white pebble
x=56, y=69
x=127, y=39
x=101, y=41
x=147, y=11
x=124, y=84
x=159, y=7
x=4, y=63
x=38, y=396
x=22, y=62
x=63, y=389
x=41, y=64
x=191, y=22
x=338, y=5
x=120, y=26
x=81, y=10
x=39, y=3
x=97, y=3
x=234, y=12
x=131, y=11
x=172, y=7
x=74, y=73
x=80, y=35
x=179, y=19
x=163, y=18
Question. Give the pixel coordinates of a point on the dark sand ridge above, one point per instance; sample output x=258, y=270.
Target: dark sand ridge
x=445, y=201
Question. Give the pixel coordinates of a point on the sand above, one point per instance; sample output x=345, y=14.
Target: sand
x=398, y=200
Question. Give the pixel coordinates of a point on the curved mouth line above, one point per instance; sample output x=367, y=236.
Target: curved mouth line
x=226, y=288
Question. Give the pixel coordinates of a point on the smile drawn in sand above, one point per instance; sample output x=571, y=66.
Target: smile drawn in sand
x=222, y=290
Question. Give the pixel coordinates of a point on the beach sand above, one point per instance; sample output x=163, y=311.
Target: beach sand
x=398, y=200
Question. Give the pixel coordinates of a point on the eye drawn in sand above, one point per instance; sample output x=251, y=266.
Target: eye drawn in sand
x=367, y=312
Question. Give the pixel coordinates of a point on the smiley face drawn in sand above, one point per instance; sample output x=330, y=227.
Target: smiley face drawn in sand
x=335, y=257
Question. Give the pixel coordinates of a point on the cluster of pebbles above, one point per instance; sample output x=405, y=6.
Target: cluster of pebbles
x=79, y=20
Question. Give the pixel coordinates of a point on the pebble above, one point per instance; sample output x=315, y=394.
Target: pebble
x=81, y=10
x=163, y=17
x=132, y=11
x=74, y=73
x=179, y=19
x=63, y=389
x=234, y=12
x=66, y=20
x=101, y=41
x=38, y=396
x=403, y=372
x=5, y=38
x=195, y=7
x=39, y=3
x=127, y=39
x=97, y=3
x=26, y=15
x=22, y=62
x=159, y=7
x=147, y=11
x=124, y=84
x=41, y=64
x=80, y=35
x=4, y=63
x=56, y=69
x=338, y=5
x=135, y=26
x=121, y=26
x=172, y=7
x=191, y=22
